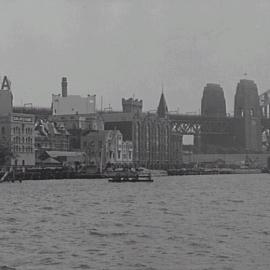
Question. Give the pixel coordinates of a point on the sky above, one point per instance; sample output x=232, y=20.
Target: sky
x=125, y=48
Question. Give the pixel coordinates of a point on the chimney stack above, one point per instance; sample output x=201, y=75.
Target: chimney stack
x=64, y=87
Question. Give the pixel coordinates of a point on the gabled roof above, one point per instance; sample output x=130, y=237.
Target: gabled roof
x=162, y=107
x=51, y=160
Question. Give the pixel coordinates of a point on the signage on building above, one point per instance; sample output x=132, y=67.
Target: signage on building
x=22, y=119
x=5, y=84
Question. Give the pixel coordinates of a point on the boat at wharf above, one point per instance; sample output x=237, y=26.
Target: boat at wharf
x=132, y=177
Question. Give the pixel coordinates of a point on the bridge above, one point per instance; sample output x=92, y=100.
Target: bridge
x=213, y=127
x=200, y=124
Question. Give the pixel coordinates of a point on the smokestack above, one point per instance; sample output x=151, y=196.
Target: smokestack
x=64, y=87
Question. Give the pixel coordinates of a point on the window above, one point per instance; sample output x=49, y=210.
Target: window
x=100, y=144
x=3, y=130
x=242, y=112
x=119, y=154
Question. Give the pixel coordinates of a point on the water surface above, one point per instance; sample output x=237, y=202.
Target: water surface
x=185, y=222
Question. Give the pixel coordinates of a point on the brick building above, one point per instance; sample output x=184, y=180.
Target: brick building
x=16, y=129
x=155, y=145
x=106, y=147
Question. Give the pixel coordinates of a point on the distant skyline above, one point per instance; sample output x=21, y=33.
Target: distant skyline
x=123, y=48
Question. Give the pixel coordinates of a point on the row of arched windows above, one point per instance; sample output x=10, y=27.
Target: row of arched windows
x=18, y=139
x=22, y=149
x=151, y=141
x=18, y=130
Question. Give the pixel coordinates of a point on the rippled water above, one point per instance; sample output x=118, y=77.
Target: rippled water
x=187, y=222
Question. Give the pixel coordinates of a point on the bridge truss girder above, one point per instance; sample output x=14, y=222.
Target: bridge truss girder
x=202, y=126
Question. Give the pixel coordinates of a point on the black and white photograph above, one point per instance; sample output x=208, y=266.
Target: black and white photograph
x=135, y=134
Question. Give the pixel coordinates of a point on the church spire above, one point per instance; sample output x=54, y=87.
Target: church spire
x=162, y=110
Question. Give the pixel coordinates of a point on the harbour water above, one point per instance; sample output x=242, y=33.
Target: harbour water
x=182, y=222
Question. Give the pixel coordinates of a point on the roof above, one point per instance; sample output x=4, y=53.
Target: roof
x=162, y=107
x=50, y=160
x=55, y=154
x=118, y=116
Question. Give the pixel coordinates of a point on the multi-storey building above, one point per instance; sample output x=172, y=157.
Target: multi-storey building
x=72, y=104
x=50, y=136
x=106, y=147
x=77, y=125
x=16, y=129
x=76, y=114
x=22, y=139
x=155, y=145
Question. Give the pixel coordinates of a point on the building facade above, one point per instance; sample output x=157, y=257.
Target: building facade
x=50, y=136
x=17, y=131
x=76, y=125
x=72, y=104
x=155, y=145
x=106, y=148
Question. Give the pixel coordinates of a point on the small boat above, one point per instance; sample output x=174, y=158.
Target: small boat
x=132, y=177
x=4, y=177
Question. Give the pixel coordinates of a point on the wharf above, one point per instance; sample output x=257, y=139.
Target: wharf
x=212, y=171
x=47, y=174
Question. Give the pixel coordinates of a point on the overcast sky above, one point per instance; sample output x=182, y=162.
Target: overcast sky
x=123, y=48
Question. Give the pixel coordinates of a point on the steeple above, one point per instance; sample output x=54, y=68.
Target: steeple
x=162, y=107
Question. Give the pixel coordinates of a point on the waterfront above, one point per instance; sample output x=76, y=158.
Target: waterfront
x=184, y=222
